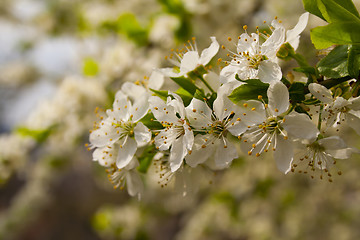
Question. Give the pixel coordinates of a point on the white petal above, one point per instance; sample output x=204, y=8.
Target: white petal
x=333, y=142
x=300, y=126
x=355, y=103
x=140, y=107
x=121, y=107
x=269, y=72
x=247, y=44
x=132, y=90
x=165, y=139
x=208, y=53
x=213, y=80
x=340, y=102
x=199, y=154
x=321, y=92
x=142, y=134
x=198, y=113
x=225, y=153
x=274, y=42
x=353, y=120
x=134, y=163
x=188, y=137
x=178, y=104
x=177, y=153
x=102, y=155
x=169, y=72
x=156, y=80
x=283, y=154
x=252, y=112
x=292, y=36
x=238, y=128
x=105, y=135
x=228, y=73
x=126, y=153
x=157, y=106
x=222, y=105
x=189, y=61
x=134, y=184
x=278, y=95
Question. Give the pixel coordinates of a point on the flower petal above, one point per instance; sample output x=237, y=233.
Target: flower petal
x=156, y=80
x=283, y=154
x=270, y=47
x=269, y=72
x=228, y=73
x=278, y=95
x=353, y=120
x=177, y=153
x=157, y=106
x=292, y=36
x=132, y=90
x=126, y=152
x=198, y=113
x=169, y=72
x=199, y=154
x=142, y=134
x=121, y=107
x=140, y=108
x=225, y=153
x=321, y=92
x=300, y=126
x=208, y=53
x=355, y=103
x=104, y=136
x=134, y=184
x=189, y=61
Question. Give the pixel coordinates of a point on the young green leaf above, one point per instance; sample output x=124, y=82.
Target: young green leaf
x=353, y=61
x=251, y=90
x=186, y=84
x=150, y=122
x=312, y=7
x=338, y=10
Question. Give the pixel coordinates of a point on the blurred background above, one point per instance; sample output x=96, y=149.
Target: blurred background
x=60, y=59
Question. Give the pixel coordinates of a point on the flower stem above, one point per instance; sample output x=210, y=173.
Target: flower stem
x=206, y=83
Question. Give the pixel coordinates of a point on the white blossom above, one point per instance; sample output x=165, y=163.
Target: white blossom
x=189, y=59
x=177, y=132
x=272, y=127
x=121, y=127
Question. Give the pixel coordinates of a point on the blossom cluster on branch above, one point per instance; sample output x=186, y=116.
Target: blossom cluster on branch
x=249, y=103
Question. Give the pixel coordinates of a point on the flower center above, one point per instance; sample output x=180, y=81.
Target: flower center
x=254, y=61
x=125, y=128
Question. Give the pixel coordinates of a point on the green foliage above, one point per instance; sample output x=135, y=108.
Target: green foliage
x=296, y=92
x=149, y=121
x=251, y=90
x=40, y=135
x=186, y=84
x=128, y=25
x=343, y=19
x=185, y=96
x=146, y=158
x=177, y=8
x=90, y=67
x=353, y=62
x=334, y=65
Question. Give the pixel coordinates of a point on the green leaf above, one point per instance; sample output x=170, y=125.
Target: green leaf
x=128, y=25
x=251, y=90
x=199, y=94
x=338, y=10
x=337, y=33
x=185, y=96
x=186, y=84
x=307, y=70
x=150, y=122
x=312, y=7
x=163, y=94
x=90, y=67
x=40, y=135
x=146, y=158
x=353, y=61
x=296, y=92
x=334, y=65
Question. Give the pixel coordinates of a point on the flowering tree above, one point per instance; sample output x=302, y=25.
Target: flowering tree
x=248, y=103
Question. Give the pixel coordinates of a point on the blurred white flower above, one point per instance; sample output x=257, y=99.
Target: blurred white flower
x=189, y=59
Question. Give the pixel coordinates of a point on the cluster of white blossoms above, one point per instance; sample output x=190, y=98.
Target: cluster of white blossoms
x=248, y=103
